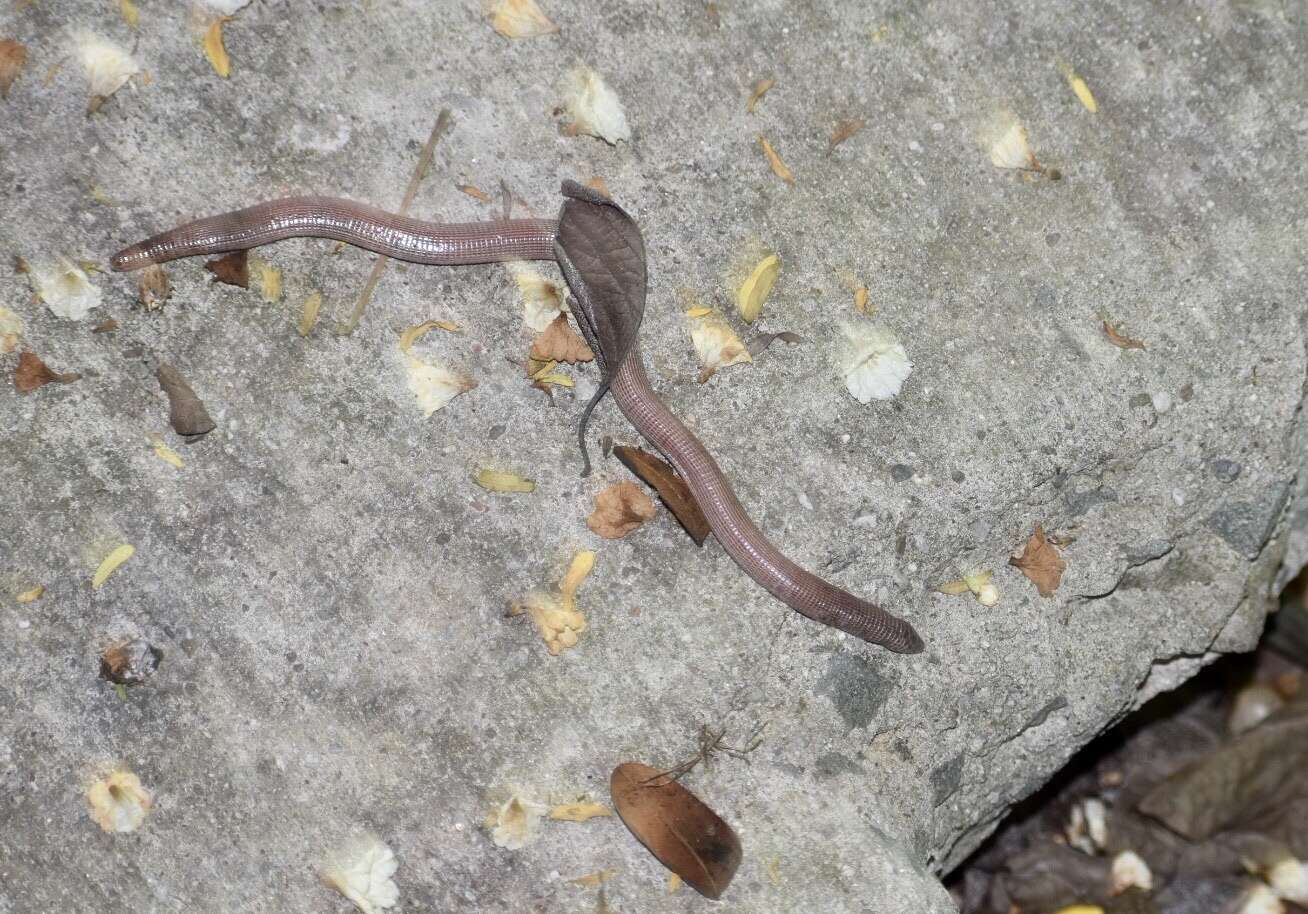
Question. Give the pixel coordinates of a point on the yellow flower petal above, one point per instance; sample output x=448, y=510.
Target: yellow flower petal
x=111, y=563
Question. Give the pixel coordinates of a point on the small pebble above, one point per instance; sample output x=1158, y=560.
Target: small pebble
x=1225, y=470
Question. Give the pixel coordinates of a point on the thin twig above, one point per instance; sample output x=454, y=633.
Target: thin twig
x=419, y=172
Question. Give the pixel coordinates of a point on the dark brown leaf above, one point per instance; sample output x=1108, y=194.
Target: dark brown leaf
x=676, y=827
x=12, y=57
x=153, y=288
x=1120, y=340
x=1040, y=562
x=560, y=343
x=619, y=509
x=130, y=662
x=232, y=269
x=764, y=340
x=186, y=413
x=672, y=489
x=32, y=373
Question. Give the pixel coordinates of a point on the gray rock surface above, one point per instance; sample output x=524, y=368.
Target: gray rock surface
x=328, y=587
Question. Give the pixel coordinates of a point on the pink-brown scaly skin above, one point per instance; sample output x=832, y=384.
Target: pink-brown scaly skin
x=534, y=239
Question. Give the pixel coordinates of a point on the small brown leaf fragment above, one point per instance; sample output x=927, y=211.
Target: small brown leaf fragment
x=475, y=192
x=186, y=413
x=672, y=489
x=676, y=827
x=215, y=50
x=778, y=167
x=152, y=287
x=232, y=269
x=844, y=130
x=108, y=326
x=560, y=343
x=619, y=509
x=764, y=340
x=1040, y=562
x=1121, y=341
x=32, y=373
x=130, y=662
x=12, y=57
x=756, y=93
x=598, y=185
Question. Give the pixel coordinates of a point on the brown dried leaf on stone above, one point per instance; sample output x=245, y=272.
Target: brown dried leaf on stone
x=676, y=827
x=756, y=93
x=779, y=167
x=1040, y=562
x=152, y=287
x=32, y=373
x=12, y=57
x=560, y=343
x=1120, y=340
x=672, y=489
x=232, y=269
x=844, y=130
x=619, y=509
x=186, y=412
x=475, y=192
x=764, y=340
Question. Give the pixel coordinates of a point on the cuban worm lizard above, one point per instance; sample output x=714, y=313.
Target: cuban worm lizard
x=600, y=250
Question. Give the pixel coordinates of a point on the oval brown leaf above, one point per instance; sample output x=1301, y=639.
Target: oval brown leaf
x=672, y=489
x=685, y=835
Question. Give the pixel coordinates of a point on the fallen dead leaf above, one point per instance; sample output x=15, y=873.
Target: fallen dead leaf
x=756, y=93
x=778, y=167
x=1040, y=562
x=560, y=343
x=186, y=412
x=520, y=19
x=152, y=287
x=619, y=509
x=764, y=340
x=496, y=481
x=861, y=299
x=232, y=269
x=475, y=193
x=672, y=489
x=215, y=50
x=32, y=373
x=676, y=827
x=844, y=130
x=12, y=57
x=1120, y=340
x=579, y=812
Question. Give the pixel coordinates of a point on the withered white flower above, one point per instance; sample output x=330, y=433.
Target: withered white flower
x=64, y=287
x=715, y=342
x=1129, y=871
x=1261, y=900
x=118, y=802
x=11, y=328
x=558, y=619
x=542, y=299
x=1289, y=880
x=594, y=107
x=1005, y=139
x=108, y=67
x=362, y=871
x=433, y=385
x=873, y=362
x=514, y=824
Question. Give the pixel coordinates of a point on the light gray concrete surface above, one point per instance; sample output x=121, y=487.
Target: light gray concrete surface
x=329, y=587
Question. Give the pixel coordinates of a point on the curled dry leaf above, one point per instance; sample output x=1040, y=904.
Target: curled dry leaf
x=495, y=481
x=12, y=58
x=560, y=343
x=844, y=130
x=152, y=287
x=715, y=342
x=756, y=288
x=594, y=107
x=520, y=19
x=756, y=93
x=764, y=340
x=32, y=373
x=579, y=812
x=108, y=67
x=619, y=509
x=779, y=167
x=676, y=827
x=1120, y=340
x=214, y=49
x=130, y=662
x=118, y=802
x=111, y=563
x=1040, y=562
x=11, y=328
x=186, y=412
x=361, y=871
x=232, y=269
x=672, y=489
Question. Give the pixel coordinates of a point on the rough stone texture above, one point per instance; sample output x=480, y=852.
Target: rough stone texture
x=329, y=588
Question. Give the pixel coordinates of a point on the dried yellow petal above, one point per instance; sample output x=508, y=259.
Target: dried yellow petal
x=556, y=378
x=32, y=594
x=411, y=335
x=496, y=481
x=111, y=563
x=582, y=565
x=596, y=879
x=675, y=883
x=118, y=802
x=214, y=48
x=860, y=299
x=520, y=19
x=1084, y=94
x=268, y=279
x=754, y=291
x=165, y=453
x=309, y=313
x=579, y=812
x=699, y=312
x=131, y=15
x=778, y=167
x=11, y=328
